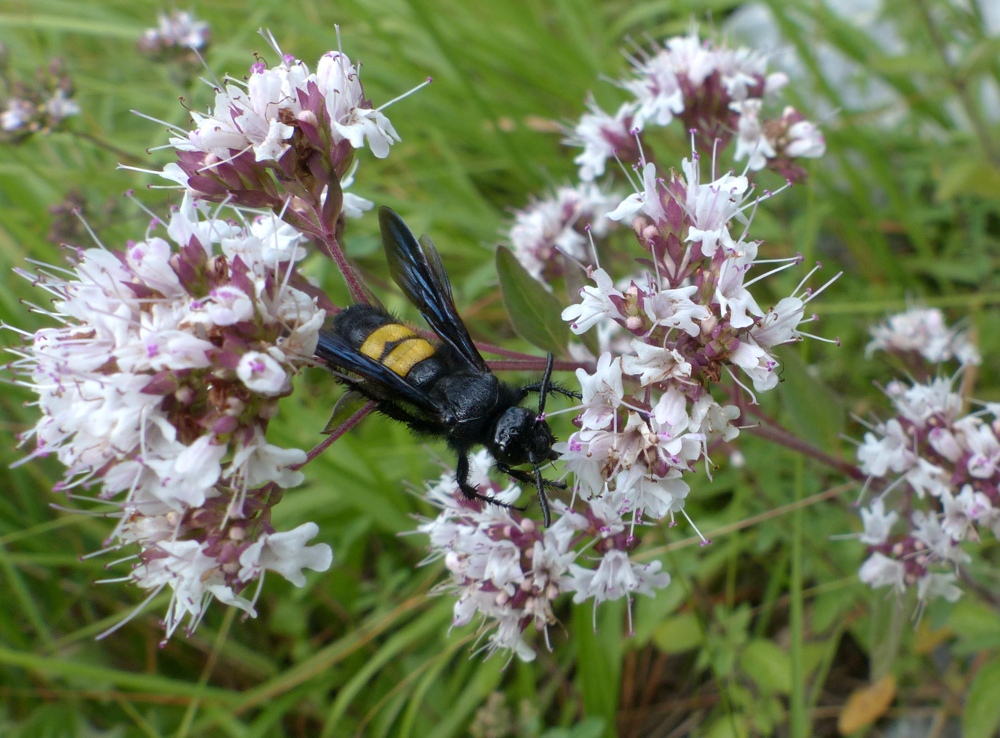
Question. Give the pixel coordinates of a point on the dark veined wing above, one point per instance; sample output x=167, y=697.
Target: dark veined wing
x=416, y=267
x=340, y=354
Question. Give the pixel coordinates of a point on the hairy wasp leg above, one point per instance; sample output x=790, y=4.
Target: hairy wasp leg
x=540, y=484
x=470, y=492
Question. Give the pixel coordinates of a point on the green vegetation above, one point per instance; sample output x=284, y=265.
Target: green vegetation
x=766, y=631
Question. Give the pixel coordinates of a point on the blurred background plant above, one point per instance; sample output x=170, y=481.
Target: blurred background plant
x=767, y=631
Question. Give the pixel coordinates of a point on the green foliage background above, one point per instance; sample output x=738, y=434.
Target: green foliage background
x=765, y=631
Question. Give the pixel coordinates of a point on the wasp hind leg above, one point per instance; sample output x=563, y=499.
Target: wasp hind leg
x=470, y=492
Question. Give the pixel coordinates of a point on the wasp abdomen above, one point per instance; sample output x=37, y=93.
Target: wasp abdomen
x=396, y=346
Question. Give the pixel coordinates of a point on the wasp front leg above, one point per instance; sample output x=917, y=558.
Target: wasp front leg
x=470, y=492
x=540, y=483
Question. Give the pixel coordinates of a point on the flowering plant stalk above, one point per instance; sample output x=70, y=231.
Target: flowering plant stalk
x=159, y=385
x=38, y=106
x=171, y=354
x=934, y=464
x=678, y=320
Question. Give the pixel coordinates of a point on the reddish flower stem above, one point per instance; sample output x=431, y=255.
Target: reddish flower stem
x=537, y=364
x=354, y=284
x=337, y=433
x=770, y=429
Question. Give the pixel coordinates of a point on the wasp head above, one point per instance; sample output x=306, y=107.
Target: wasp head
x=520, y=437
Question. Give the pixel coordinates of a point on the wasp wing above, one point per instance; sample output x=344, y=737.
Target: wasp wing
x=375, y=378
x=416, y=267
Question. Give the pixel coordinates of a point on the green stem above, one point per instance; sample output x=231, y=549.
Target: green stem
x=797, y=699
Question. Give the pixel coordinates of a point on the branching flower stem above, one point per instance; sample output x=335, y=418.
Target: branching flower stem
x=771, y=430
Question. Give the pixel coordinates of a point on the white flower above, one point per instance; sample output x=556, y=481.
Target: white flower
x=805, y=140
x=287, y=554
x=615, y=577
x=257, y=462
x=732, y=296
x=194, y=578
x=555, y=225
x=353, y=205
x=239, y=123
x=741, y=67
x=711, y=206
x=985, y=457
x=881, y=571
x=150, y=261
x=934, y=585
x=945, y=442
x=675, y=309
x=671, y=409
x=262, y=374
x=602, y=392
x=889, y=448
x=162, y=344
x=194, y=220
x=502, y=565
x=751, y=141
x=922, y=330
x=653, y=498
x=920, y=402
x=60, y=106
x=178, y=29
x=647, y=201
x=657, y=90
x=928, y=530
x=586, y=467
x=596, y=306
x=185, y=473
x=19, y=114
x=654, y=364
x=161, y=395
x=927, y=479
x=351, y=115
x=600, y=135
x=877, y=523
x=961, y=512
x=780, y=325
x=756, y=362
x=713, y=420
x=260, y=117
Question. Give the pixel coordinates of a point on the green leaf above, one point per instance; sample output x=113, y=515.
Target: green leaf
x=975, y=626
x=599, y=662
x=729, y=726
x=349, y=404
x=590, y=727
x=889, y=616
x=982, y=704
x=972, y=619
x=817, y=413
x=768, y=666
x=678, y=634
x=534, y=311
x=969, y=177
x=980, y=57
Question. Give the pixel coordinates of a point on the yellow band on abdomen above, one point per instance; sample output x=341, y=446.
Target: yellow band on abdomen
x=374, y=345
x=403, y=358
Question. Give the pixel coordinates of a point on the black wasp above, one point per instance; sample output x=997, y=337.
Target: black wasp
x=441, y=389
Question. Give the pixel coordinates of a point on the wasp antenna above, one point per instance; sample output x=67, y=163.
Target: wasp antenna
x=542, y=499
x=544, y=389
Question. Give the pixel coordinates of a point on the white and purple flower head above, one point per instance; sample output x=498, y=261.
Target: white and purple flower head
x=157, y=386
